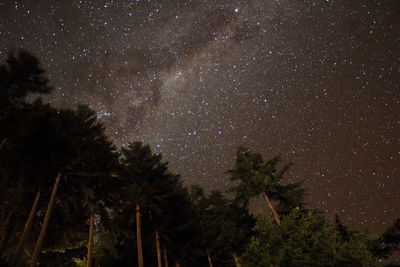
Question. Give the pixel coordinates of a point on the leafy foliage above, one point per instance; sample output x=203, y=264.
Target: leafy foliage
x=256, y=177
x=305, y=239
x=388, y=242
x=226, y=226
x=21, y=76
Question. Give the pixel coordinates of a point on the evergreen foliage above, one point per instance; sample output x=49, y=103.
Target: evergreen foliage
x=257, y=177
x=19, y=77
x=388, y=243
x=305, y=239
x=226, y=226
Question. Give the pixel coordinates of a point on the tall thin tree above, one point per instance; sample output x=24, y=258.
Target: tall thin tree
x=271, y=207
x=90, y=241
x=139, y=237
x=39, y=243
x=165, y=258
x=209, y=260
x=158, y=248
x=26, y=230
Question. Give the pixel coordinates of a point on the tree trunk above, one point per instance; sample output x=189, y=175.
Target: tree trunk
x=165, y=258
x=276, y=216
x=159, y=262
x=6, y=238
x=90, y=240
x=4, y=234
x=139, y=237
x=237, y=262
x=3, y=142
x=39, y=243
x=4, y=226
x=26, y=230
x=209, y=260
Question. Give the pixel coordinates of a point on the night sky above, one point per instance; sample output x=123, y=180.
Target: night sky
x=315, y=81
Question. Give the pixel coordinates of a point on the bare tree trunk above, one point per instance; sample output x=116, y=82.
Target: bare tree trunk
x=276, y=216
x=39, y=243
x=165, y=258
x=7, y=232
x=159, y=261
x=139, y=237
x=4, y=234
x=26, y=230
x=209, y=260
x=90, y=240
x=4, y=226
x=3, y=142
x=7, y=236
x=237, y=262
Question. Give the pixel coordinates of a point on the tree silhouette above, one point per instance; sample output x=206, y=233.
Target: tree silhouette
x=305, y=238
x=259, y=178
x=46, y=141
x=20, y=76
x=388, y=243
x=226, y=226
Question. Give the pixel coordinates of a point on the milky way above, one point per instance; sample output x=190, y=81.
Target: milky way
x=315, y=81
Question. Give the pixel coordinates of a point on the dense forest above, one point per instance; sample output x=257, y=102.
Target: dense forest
x=70, y=197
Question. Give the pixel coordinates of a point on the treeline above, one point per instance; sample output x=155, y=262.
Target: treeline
x=69, y=197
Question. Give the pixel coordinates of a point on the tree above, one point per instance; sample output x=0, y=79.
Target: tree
x=39, y=243
x=88, y=177
x=46, y=141
x=90, y=241
x=20, y=76
x=140, y=168
x=146, y=185
x=226, y=227
x=258, y=178
x=388, y=242
x=305, y=238
x=26, y=230
x=165, y=211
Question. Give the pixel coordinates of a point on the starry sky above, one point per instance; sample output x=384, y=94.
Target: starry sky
x=317, y=82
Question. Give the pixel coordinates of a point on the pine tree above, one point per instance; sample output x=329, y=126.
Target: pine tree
x=225, y=225
x=259, y=178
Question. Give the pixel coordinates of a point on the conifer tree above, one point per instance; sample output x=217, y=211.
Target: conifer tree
x=226, y=226
x=39, y=141
x=258, y=178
